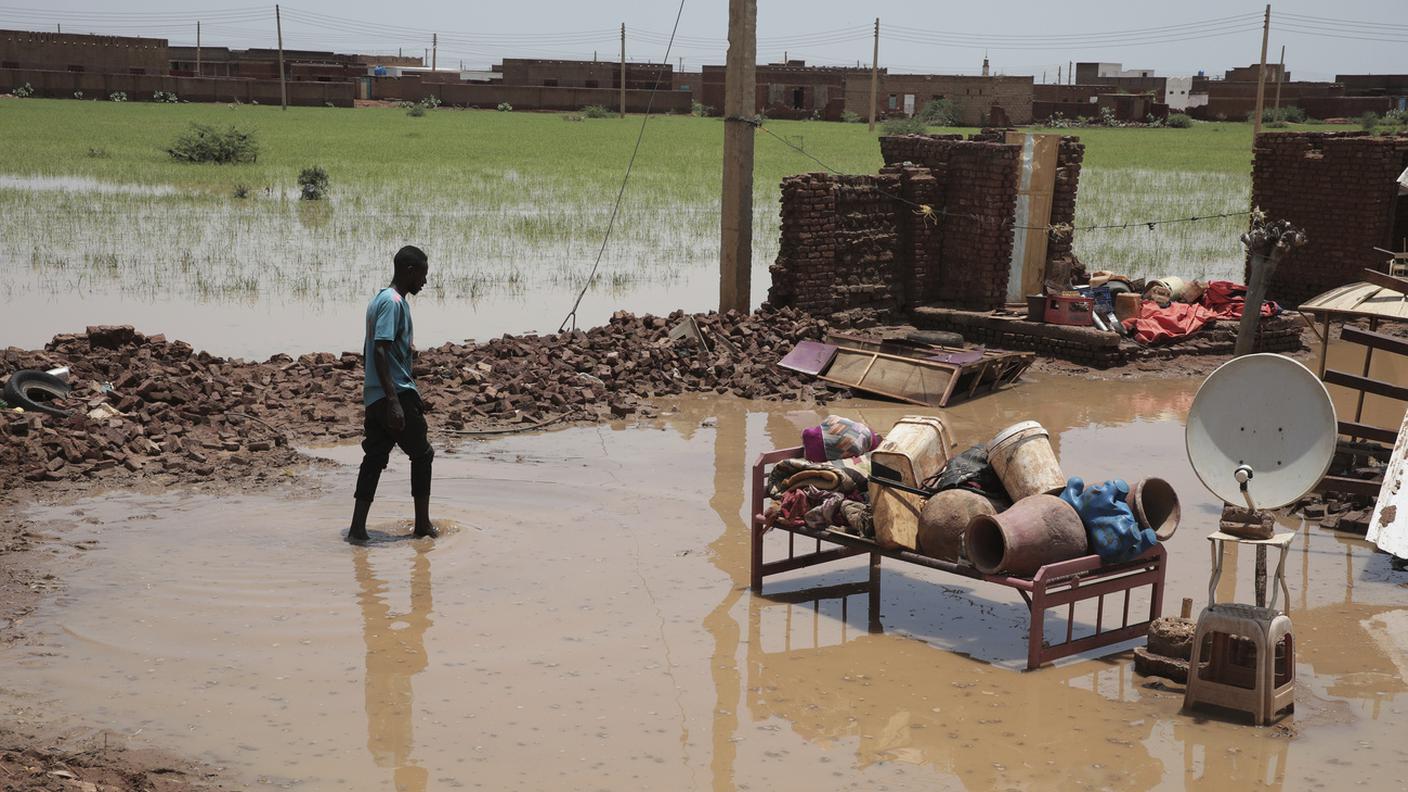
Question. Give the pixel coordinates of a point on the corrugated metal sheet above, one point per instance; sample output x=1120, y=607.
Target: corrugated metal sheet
x=1360, y=299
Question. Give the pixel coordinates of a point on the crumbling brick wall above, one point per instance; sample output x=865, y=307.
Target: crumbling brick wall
x=837, y=254
x=976, y=197
x=1340, y=187
x=1060, y=258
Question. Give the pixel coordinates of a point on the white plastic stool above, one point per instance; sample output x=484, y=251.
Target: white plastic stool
x=1266, y=627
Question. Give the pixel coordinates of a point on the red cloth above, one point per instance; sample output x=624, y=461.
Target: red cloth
x=1221, y=300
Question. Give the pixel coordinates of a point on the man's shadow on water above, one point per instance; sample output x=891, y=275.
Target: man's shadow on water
x=395, y=645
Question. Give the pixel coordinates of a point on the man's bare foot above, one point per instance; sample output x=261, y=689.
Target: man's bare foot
x=427, y=530
x=356, y=536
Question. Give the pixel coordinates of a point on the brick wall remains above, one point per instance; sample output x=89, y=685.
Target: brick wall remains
x=1060, y=258
x=837, y=255
x=976, y=195
x=1339, y=187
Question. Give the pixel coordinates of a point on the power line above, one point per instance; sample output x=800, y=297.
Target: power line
x=615, y=209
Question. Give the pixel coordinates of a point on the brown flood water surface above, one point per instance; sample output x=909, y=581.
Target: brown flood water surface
x=585, y=624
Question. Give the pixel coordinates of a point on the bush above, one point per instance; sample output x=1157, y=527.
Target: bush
x=1369, y=120
x=504, y=107
x=1291, y=115
x=430, y=102
x=416, y=111
x=597, y=111
x=940, y=112
x=202, y=143
x=118, y=96
x=313, y=183
x=23, y=91
x=241, y=191
x=165, y=97
x=700, y=109
x=905, y=126
x=1179, y=120
x=97, y=153
x=851, y=117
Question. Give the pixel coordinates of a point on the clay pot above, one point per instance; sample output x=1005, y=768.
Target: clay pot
x=945, y=517
x=1155, y=506
x=1037, y=530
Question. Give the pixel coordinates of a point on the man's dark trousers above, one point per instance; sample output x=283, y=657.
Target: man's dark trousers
x=378, y=441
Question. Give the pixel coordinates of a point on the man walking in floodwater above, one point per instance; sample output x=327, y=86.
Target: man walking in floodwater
x=395, y=413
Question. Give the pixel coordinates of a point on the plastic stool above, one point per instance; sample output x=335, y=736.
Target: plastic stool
x=1267, y=629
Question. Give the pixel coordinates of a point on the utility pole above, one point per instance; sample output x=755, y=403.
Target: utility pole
x=283, y=81
x=1059, y=78
x=875, y=74
x=736, y=202
x=197, y=47
x=60, y=26
x=1261, y=75
x=623, y=69
x=1280, y=76
x=434, y=50
x=1071, y=73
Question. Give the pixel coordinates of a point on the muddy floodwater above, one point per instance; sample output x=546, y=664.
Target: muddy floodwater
x=585, y=623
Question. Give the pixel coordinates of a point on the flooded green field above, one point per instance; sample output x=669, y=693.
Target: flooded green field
x=99, y=225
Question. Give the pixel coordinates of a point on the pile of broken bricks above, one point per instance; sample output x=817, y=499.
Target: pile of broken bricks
x=160, y=407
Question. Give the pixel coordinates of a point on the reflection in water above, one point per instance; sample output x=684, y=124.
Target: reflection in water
x=395, y=653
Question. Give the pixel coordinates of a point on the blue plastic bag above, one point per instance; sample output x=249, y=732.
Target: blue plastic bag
x=1113, y=532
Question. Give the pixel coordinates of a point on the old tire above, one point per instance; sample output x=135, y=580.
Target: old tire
x=23, y=383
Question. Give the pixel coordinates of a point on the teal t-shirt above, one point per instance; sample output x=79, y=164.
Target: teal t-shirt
x=388, y=319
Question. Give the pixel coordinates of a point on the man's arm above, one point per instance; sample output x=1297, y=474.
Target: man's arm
x=395, y=417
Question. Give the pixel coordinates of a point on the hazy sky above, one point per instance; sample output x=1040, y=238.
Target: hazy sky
x=1321, y=39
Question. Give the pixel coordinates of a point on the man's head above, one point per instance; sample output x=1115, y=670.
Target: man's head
x=411, y=268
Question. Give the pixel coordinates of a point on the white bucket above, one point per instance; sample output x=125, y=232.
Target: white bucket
x=1021, y=456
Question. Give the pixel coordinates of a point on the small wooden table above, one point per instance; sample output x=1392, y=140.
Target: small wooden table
x=1281, y=541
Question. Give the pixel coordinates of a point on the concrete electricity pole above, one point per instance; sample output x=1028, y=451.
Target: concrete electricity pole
x=736, y=201
x=197, y=47
x=1280, y=76
x=1261, y=75
x=623, y=69
x=434, y=50
x=283, y=82
x=875, y=74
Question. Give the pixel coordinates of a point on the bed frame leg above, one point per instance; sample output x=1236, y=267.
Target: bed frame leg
x=756, y=576
x=1036, y=633
x=875, y=626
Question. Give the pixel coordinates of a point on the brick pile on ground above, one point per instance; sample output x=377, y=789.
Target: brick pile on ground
x=194, y=416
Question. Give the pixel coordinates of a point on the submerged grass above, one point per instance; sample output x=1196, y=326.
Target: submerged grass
x=502, y=201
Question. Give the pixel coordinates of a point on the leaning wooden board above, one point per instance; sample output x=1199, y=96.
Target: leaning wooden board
x=929, y=380
x=1388, y=527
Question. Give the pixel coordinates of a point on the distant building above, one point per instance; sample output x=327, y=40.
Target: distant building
x=75, y=52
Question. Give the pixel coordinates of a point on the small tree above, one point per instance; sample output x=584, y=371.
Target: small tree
x=1368, y=121
x=313, y=183
x=905, y=126
x=940, y=112
x=1179, y=121
x=23, y=91
x=700, y=109
x=597, y=111
x=202, y=143
x=504, y=107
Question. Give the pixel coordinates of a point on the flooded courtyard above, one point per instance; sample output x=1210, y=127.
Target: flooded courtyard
x=585, y=623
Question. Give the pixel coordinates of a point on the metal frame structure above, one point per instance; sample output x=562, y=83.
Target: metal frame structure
x=1054, y=585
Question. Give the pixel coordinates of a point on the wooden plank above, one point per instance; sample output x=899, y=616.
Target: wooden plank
x=1349, y=486
x=1388, y=526
x=1368, y=338
x=1386, y=281
x=1366, y=384
x=1368, y=432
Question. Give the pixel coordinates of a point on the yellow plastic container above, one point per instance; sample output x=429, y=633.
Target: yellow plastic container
x=1022, y=457
x=917, y=447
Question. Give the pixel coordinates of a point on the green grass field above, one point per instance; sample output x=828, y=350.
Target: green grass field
x=506, y=200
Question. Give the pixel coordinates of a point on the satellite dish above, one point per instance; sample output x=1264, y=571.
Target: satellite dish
x=1262, y=428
